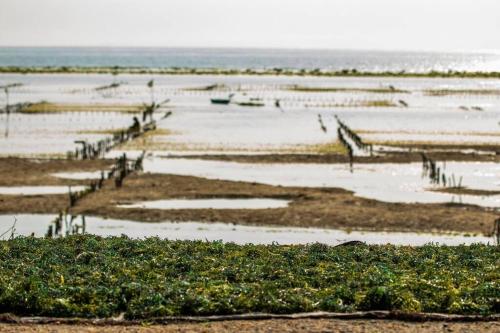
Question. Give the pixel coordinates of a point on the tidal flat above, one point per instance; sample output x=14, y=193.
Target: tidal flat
x=280, y=194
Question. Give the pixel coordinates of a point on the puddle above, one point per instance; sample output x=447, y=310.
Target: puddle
x=38, y=224
x=211, y=204
x=38, y=190
x=385, y=182
x=78, y=175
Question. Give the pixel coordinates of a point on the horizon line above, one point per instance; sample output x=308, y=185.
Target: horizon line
x=490, y=51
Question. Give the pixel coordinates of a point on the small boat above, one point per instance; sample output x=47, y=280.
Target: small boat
x=224, y=101
x=220, y=100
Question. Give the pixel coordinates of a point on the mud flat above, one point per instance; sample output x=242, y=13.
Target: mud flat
x=39, y=172
x=388, y=182
x=336, y=158
x=232, y=152
x=269, y=326
x=35, y=173
x=308, y=207
x=323, y=207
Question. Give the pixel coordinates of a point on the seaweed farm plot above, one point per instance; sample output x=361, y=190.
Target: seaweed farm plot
x=78, y=89
x=150, y=197
x=229, y=129
x=55, y=134
x=424, y=119
x=383, y=109
x=37, y=225
x=385, y=182
x=333, y=133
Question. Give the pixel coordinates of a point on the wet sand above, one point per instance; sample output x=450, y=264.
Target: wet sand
x=441, y=146
x=32, y=172
x=309, y=207
x=271, y=326
x=343, y=159
x=467, y=191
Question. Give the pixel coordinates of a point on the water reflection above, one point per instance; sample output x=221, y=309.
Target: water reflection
x=210, y=204
x=38, y=224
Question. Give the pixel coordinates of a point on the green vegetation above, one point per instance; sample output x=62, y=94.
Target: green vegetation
x=466, y=191
x=383, y=90
x=378, y=104
x=87, y=276
x=354, y=104
x=148, y=134
x=46, y=107
x=213, y=87
x=329, y=148
x=221, y=71
x=446, y=92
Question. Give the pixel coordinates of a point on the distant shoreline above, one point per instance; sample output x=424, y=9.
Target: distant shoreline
x=249, y=72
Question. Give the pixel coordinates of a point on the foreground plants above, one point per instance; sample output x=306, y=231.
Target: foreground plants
x=88, y=276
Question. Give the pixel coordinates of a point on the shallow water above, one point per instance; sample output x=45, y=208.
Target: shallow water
x=38, y=224
x=385, y=182
x=210, y=204
x=39, y=190
x=38, y=134
x=78, y=175
x=243, y=58
x=198, y=125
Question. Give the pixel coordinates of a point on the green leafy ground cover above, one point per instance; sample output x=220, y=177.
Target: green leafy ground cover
x=88, y=276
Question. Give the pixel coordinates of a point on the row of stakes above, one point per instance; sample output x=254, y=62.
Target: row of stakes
x=65, y=224
x=354, y=137
x=347, y=147
x=88, y=151
x=437, y=175
x=342, y=131
x=120, y=170
x=430, y=168
x=100, y=148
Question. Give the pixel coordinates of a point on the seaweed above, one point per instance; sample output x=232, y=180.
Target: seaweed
x=115, y=70
x=380, y=90
x=447, y=92
x=88, y=277
x=47, y=107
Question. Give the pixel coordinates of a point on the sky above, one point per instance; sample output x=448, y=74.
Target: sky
x=430, y=25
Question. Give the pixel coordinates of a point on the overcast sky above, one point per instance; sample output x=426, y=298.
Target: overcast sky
x=469, y=25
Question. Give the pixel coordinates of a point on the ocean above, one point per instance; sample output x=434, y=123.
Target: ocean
x=374, y=61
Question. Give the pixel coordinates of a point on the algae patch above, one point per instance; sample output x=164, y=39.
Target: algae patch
x=46, y=107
